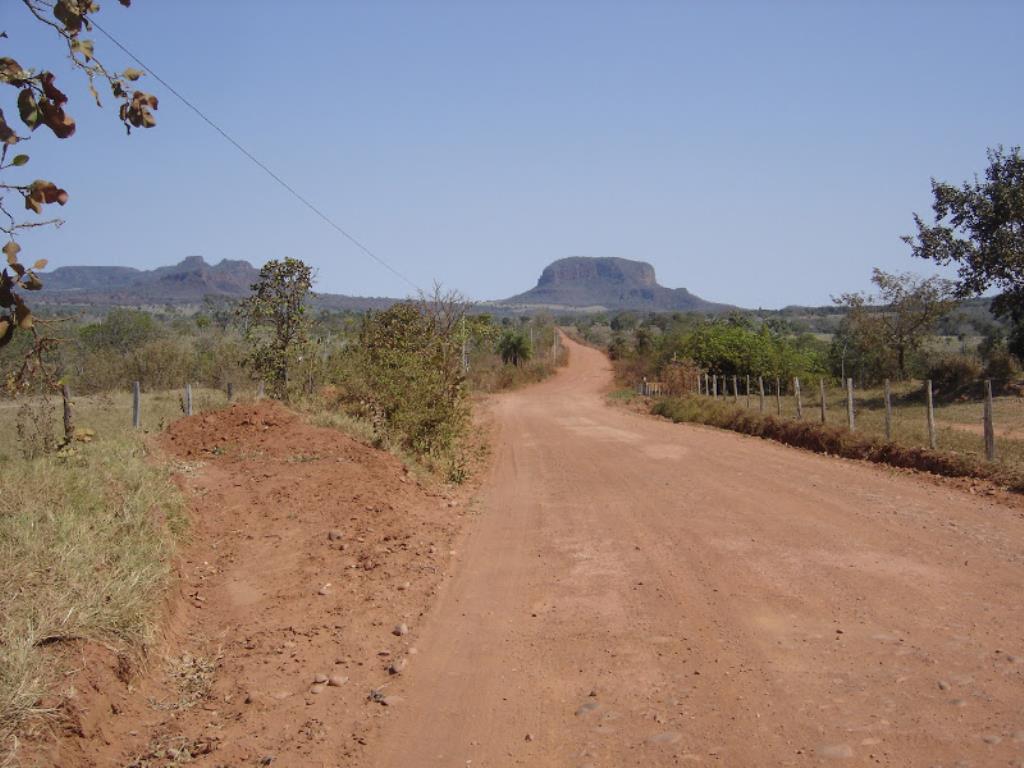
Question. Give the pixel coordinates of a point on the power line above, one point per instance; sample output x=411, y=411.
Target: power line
x=256, y=160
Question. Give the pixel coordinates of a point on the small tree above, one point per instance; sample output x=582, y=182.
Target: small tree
x=514, y=348
x=902, y=314
x=979, y=226
x=274, y=322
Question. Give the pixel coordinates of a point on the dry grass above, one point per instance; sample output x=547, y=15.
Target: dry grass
x=489, y=374
x=86, y=537
x=958, y=423
x=867, y=442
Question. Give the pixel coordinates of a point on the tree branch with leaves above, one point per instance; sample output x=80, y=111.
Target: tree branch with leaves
x=41, y=104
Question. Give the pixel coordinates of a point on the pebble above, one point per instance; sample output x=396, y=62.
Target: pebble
x=318, y=688
x=528, y=737
x=337, y=680
x=334, y=535
x=396, y=666
x=400, y=629
x=943, y=685
x=319, y=677
x=991, y=738
x=324, y=589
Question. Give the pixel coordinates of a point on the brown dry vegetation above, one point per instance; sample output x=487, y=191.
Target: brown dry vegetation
x=836, y=440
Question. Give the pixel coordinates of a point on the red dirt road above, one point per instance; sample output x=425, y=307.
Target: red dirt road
x=638, y=593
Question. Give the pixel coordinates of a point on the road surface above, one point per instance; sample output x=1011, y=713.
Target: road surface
x=640, y=593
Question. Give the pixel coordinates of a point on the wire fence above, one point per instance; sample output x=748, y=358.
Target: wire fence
x=904, y=412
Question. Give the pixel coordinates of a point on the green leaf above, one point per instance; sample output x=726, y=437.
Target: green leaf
x=19, y=160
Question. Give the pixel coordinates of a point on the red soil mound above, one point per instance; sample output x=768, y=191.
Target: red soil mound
x=306, y=550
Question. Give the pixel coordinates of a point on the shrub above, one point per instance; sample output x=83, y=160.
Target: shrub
x=1001, y=368
x=405, y=376
x=951, y=374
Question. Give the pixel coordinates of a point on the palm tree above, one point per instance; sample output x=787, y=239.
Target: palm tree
x=514, y=348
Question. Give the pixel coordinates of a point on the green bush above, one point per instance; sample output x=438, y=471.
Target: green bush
x=405, y=376
x=952, y=374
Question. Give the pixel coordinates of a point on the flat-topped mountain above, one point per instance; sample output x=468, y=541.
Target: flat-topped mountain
x=187, y=282
x=584, y=282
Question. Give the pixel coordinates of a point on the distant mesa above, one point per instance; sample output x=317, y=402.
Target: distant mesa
x=188, y=282
x=575, y=284
x=607, y=283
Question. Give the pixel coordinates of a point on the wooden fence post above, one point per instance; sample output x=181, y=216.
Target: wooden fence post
x=259, y=391
x=188, y=399
x=748, y=391
x=931, y=415
x=888, y=411
x=231, y=391
x=69, y=416
x=821, y=387
x=735, y=391
x=778, y=396
x=714, y=386
x=849, y=405
x=760, y=387
x=796, y=394
x=990, y=432
x=136, y=405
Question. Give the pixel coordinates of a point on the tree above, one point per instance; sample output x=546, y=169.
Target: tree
x=979, y=226
x=899, y=318
x=41, y=103
x=274, y=322
x=514, y=348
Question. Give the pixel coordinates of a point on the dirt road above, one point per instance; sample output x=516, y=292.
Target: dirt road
x=642, y=593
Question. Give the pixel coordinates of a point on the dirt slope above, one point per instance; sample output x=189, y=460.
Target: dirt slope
x=638, y=593
x=266, y=600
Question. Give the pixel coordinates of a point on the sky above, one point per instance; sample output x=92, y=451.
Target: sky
x=759, y=154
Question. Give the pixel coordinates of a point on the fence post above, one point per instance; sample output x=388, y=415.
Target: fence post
x=931, y=415
x=821, y=387
x=714, y=386
x=748, y=391
x=735, y=391
x=188, y=400
x=760, y=387
x=136, y=405
x=778, y=396
x=888, y=411
x=231, y=391
x=799, y=402
x=990, y=432
x=69, y=417
x=849, y=404
x=259, y=390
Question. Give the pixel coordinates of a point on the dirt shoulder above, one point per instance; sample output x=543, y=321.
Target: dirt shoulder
x=307, y=550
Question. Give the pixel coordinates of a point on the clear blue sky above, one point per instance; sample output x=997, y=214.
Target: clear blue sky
x=756, y=153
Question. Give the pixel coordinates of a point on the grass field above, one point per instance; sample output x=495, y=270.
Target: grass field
x=86, y=537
